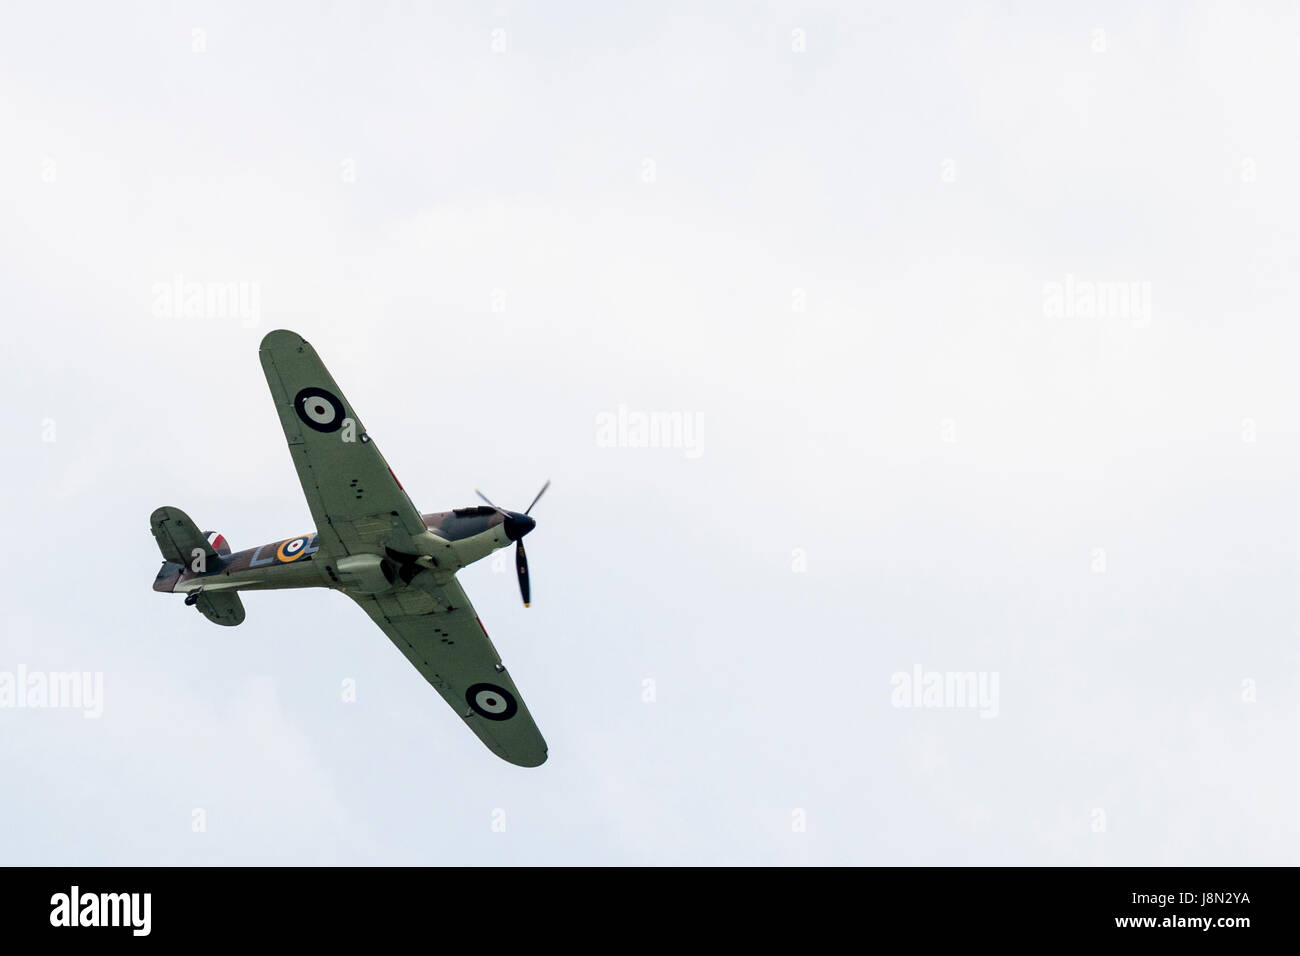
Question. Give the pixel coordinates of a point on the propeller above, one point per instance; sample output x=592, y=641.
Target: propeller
x=516, y=526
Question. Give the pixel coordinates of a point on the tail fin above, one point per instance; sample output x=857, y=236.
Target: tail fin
x=218, y=542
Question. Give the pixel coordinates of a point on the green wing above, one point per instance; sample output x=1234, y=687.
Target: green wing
x=436, y=627
x=360, y=508
x=355, y=499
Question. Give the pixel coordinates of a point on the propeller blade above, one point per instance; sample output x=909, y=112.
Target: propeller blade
x=539, y=496
x=491, y=503
x=521, y=567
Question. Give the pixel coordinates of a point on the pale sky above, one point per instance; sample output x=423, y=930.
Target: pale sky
x=856, y=249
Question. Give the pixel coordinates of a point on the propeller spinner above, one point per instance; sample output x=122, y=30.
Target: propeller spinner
x=516, y=526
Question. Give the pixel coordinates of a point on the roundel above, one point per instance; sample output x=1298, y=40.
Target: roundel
x=319, y=409
x=491, y=701
x=293, y=549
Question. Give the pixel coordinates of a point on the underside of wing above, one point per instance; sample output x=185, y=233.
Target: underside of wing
x=356, y=501
x=435, y=627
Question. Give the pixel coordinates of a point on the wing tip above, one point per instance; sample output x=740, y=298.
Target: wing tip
x=529, y=761
x=281, y=339
x=523, y=757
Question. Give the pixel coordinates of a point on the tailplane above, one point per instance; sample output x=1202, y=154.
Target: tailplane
x=185, y=548
x=181, y=542
x=219, y=607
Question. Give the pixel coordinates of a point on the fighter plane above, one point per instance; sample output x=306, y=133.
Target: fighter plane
x=372, y=544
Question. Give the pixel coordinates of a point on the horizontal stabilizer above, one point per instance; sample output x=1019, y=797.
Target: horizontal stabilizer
x=179, y=539
x=221, y=607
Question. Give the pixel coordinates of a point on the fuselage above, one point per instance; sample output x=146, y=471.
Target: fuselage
x=298, y=562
